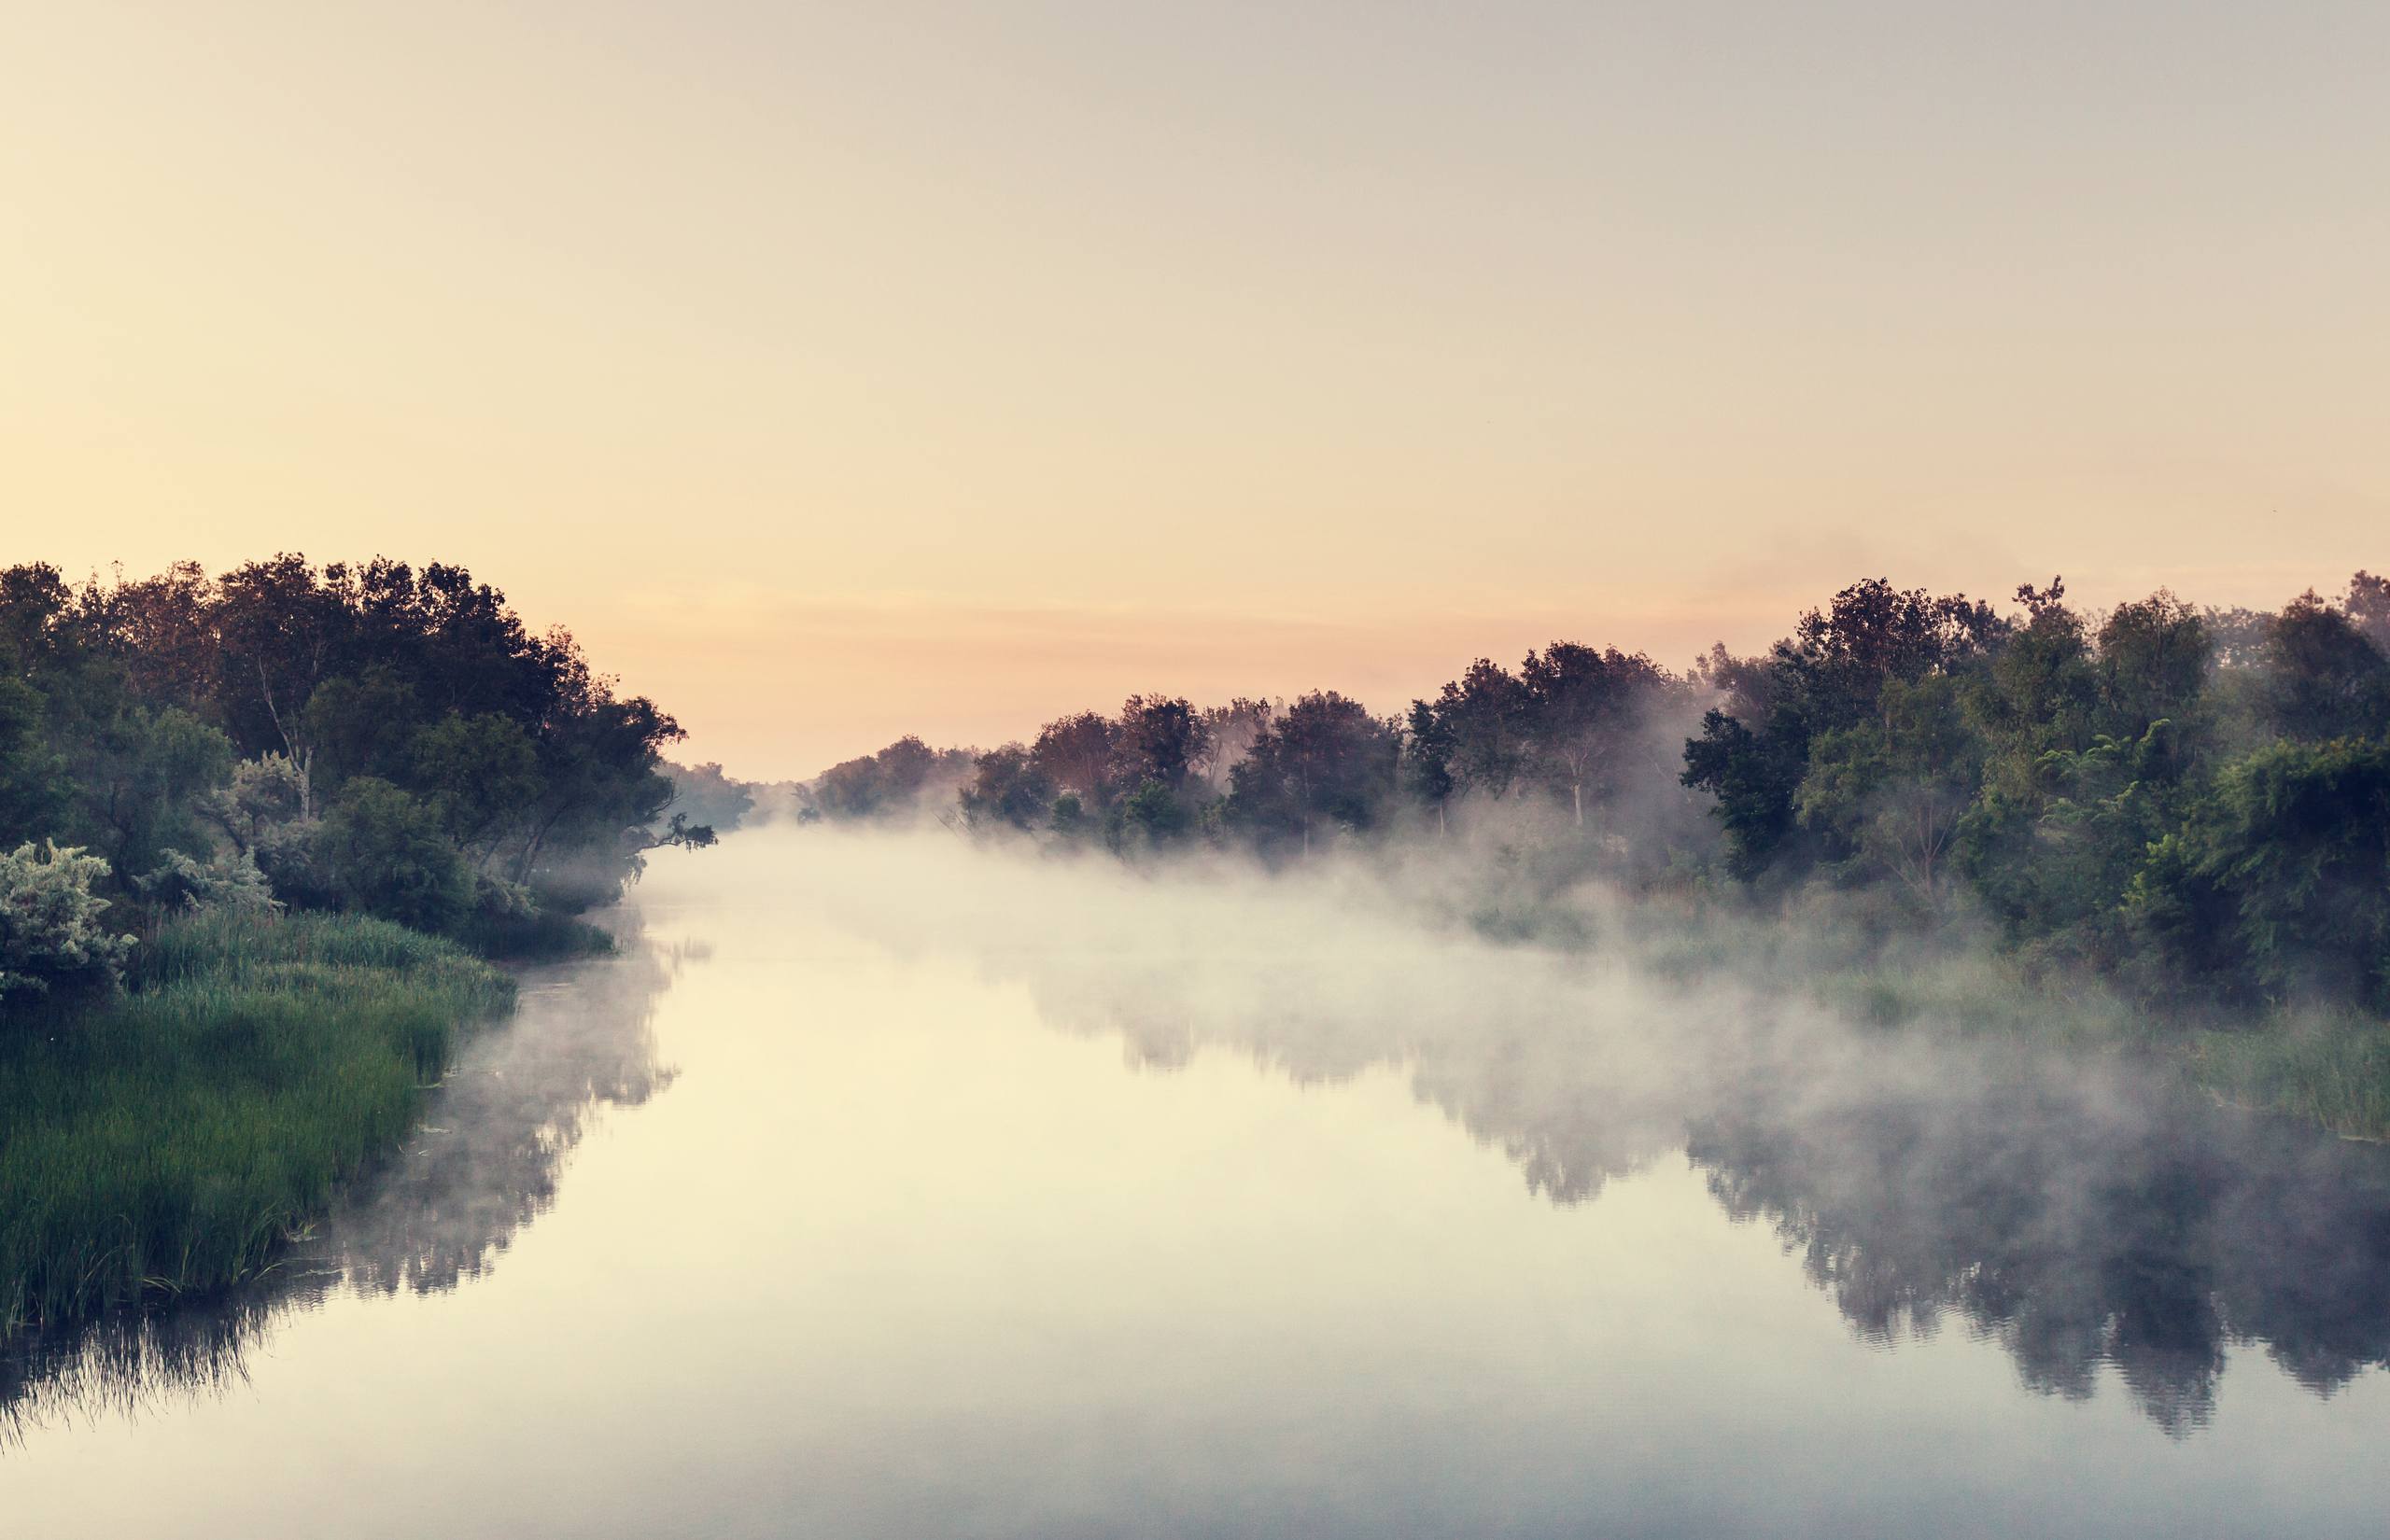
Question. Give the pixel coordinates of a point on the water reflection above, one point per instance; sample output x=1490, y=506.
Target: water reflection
x=496, y=1138
x=2079, y=1219
x=2080, y=1213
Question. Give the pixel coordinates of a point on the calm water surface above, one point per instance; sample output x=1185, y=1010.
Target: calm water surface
x=794, y=1220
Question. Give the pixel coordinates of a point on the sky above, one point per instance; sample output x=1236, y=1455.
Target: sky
x=837, y=371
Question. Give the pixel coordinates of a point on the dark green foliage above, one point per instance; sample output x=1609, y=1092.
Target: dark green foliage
x=362, y=725
x=1325, y=764
x=1428, y=748
x=178, y=722
x=391, y=858
x=2322, y=678
x=531, y=935
x=138, y=779
x=1075, y=754
x=1753, y=779
x=385, y=742
x=1886, y=793
x=2192, y=801
x=1007, y=791
x=1584, y=712
x=2184, y=799
x=474, y=772
x=1157, y=740
x=2281, y=880
x=1151, y=816
x=169, y=1139
x=1476, y=731
x=1752, y=751
x=34, y=790
x=2155, y=661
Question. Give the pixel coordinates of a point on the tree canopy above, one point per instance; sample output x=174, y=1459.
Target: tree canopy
x=371, y=736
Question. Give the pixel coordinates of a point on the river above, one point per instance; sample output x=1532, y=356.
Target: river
x=899, y=1191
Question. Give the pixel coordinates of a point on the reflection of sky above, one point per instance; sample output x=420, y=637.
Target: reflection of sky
x=894, y=1257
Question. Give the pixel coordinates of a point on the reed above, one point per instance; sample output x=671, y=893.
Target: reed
x=169, y=1139
x=2331, y=1069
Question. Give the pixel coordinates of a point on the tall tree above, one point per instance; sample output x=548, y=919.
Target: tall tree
x=1160, y=738
x=1076, y=753
x=1229, y=732
x=1584, y=709
x=1326, y=761
x=1481, y=723
x=2323, y=679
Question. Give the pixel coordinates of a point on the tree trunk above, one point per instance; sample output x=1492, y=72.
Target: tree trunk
x=1577, y=793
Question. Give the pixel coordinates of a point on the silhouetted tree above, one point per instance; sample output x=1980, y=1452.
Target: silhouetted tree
x=1582, y=709
x=1324, y=761
x=1008, y=789
x=1158, y=739
x=1075, y=754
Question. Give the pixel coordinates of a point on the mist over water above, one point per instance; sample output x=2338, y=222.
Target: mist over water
x=995, y=1193
x=2080, y=1211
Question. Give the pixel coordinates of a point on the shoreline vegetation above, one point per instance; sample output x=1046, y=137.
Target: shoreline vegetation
x=2154, y=826
x=254, y=830
x=168, y=1139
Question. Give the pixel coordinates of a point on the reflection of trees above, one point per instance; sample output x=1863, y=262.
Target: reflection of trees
x=485, y=1163
x=1529, y=1057
x=2078, y=1220
x=2081, y=1214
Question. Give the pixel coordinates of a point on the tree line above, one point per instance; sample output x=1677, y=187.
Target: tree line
x=368, y=737
x=2196, y=801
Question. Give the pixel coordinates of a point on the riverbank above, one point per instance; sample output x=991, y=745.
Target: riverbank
x=2321, y=1063
x=169, y=1139
x=2325, y=1066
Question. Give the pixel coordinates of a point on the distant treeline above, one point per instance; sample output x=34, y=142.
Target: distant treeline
x=372, y=738
x=2195, y=801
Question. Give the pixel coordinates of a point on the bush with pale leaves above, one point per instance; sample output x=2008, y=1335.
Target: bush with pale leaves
x=50, y=932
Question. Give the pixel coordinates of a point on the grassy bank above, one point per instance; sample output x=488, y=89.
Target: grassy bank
x=2333, y=1070
x=2326, y=1066
x=167, y=1140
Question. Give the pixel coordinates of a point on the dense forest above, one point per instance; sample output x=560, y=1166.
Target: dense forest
x=374, y=740
x=2193, y=802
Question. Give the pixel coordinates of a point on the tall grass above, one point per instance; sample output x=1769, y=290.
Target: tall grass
x=2328, y=1070
x=168, y=1140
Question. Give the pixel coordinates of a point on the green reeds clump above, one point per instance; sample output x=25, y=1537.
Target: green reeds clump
x=168, y=1139
x=2332, y=1070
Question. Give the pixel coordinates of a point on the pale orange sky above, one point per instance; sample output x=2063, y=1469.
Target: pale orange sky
x=843, y=371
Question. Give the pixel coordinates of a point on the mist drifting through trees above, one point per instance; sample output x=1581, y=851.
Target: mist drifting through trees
x=2195, y=803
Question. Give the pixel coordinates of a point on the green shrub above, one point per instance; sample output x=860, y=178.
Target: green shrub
x=229, y=879
x=391, y=856
x=51, y=934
